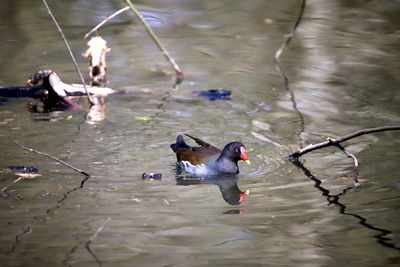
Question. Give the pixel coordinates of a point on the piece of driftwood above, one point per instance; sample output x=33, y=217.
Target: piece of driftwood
x=62, y=88
x=69, y=50
x=54, y=93
x=96, y=53
x=53, y=83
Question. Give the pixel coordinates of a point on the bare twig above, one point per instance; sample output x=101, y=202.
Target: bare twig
x=105, y=20
x=290, y=35
x=13, y=182
x=179, y=73
x=69, y=50
x=295, y=155
x=49, y=156
x=87, y=244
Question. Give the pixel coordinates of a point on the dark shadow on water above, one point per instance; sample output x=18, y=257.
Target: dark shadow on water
x=44, y=218
x=278, y=53
x=27, y=230
x=381, y=236
x=294, y=104
x=227, y=185
x=70, y=254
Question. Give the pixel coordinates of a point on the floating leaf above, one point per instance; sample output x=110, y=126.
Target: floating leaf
x=143, y=118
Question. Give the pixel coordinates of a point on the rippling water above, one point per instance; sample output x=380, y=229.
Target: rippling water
x=342, y=68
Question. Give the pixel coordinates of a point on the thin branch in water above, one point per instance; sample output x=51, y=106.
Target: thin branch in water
x=179, y=73
x=87, y=244
x=105, y=20
x=49, y=156
x=295, y=155
x=69, y=50
x=13, y=182
x=290, y=35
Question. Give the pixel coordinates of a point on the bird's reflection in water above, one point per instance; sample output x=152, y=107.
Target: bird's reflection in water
x=234, y=211
x=227, y=185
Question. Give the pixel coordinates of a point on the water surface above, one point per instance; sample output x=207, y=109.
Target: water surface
x=342, y=67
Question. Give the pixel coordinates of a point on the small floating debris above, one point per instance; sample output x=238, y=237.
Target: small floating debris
x=23, y=169
x=151, y=176
x=214, y=94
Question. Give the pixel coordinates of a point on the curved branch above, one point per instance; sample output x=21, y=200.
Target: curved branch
x=105, y=20
x=295, y=155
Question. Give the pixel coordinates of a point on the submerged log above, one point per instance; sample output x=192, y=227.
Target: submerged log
x=53, y=91
x=20, y=91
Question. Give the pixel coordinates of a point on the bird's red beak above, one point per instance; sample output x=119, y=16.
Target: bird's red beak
x=243, y=196
x=243, y=155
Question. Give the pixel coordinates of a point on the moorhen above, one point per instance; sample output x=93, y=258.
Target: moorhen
x=207, y=160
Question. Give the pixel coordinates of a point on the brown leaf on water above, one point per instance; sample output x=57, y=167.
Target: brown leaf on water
x=28, y=175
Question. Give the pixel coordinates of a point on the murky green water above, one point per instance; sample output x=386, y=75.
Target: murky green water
x=343, y=70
